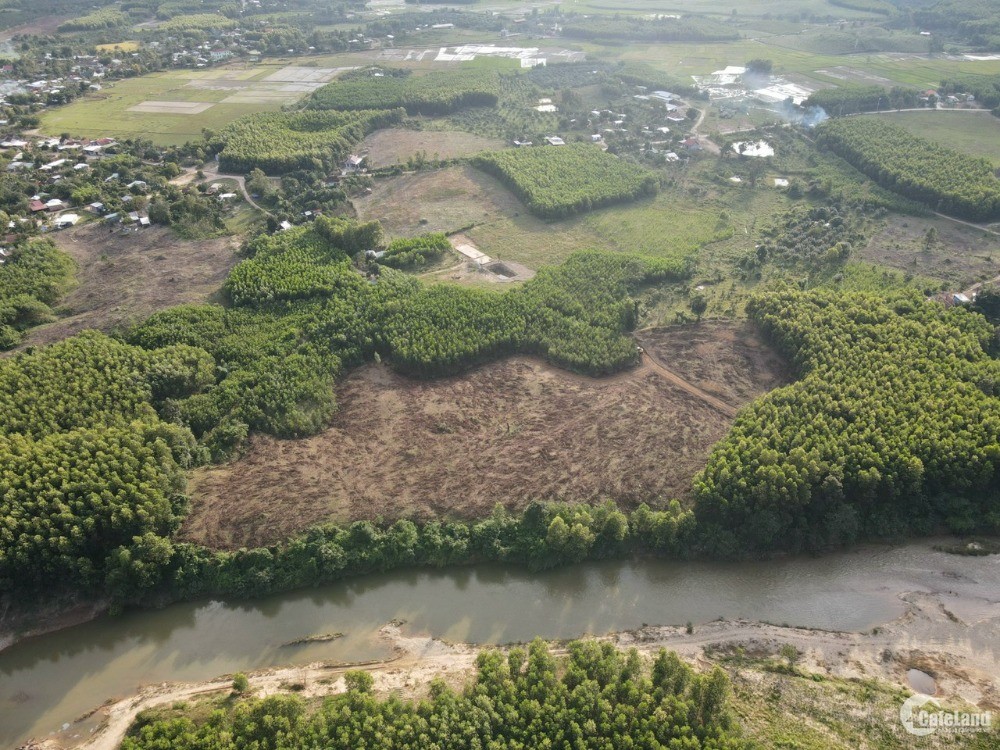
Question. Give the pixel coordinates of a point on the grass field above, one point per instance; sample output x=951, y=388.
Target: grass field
x=450, y=199
x=396, y=145
x=976, y=133
x=673, y=224
x=130, y=46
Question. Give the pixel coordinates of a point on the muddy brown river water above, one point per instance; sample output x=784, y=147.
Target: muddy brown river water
x=49, y=681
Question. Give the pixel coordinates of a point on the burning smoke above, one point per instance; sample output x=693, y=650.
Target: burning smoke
x=807, y=117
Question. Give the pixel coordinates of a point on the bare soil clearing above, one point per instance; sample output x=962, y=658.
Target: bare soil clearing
x=446, y=199
x=396, y=145
x=126, y=276
x=38, y=27
x=509, y=432
x=728, y=361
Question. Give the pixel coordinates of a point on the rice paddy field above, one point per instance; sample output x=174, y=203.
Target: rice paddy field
x=173, y=107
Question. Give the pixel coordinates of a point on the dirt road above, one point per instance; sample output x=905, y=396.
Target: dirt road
x=212, y=174
x=708, y=145
x=660, y=368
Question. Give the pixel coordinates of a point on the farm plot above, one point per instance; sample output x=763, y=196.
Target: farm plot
x=172, y=108
x=396, y=145
x=510, y=432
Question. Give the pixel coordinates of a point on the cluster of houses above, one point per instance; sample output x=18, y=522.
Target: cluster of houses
x=609, y=123
x=227, y=45
x=87, y=70
x=932, y=98
x=71, y=157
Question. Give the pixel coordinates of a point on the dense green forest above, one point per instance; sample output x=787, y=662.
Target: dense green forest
x=893, y=427
x=412, y=253
x=559, y=181
x=155, y=569
x=946, y=180
x=975, y=22
x=197, y=21
x=100, y=19
x=846, y=100
x=594, y=697
x=86, y=464
x=435, y=94
x=277, y=142
x=33, y=277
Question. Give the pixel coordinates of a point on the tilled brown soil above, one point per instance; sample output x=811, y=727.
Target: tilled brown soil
x=509, y=432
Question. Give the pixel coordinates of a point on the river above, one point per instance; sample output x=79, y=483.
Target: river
x=51, y=680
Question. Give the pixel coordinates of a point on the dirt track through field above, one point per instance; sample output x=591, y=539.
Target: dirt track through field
x=729, y=411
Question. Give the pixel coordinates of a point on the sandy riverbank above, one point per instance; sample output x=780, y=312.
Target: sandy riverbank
x=961, y=650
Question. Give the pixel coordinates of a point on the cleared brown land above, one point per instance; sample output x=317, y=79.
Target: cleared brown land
x=39, y=27
x=728, y=361
x=447, y=199
x=396, y=145
x=509, y=432
x=124, y=277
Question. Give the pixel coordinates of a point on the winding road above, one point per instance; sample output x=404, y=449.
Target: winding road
x=212, y=174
